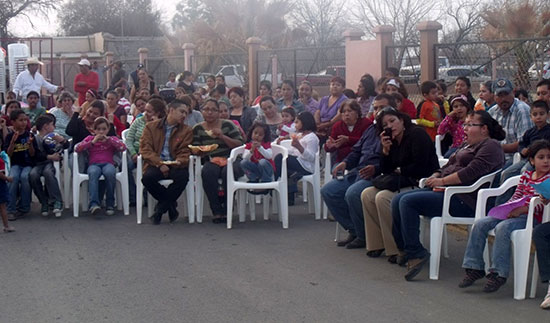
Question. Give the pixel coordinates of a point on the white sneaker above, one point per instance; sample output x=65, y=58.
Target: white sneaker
x=110, y=211
x=546, y=302
x=94, y=209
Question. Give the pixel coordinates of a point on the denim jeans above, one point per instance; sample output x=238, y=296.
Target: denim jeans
x=51, y=190
x=293, y=166
x=20, y=177
x=94, y=173
x=406, y=210
x=541, y=237
x=343, y=199
x=261, y=171
x=502, y=249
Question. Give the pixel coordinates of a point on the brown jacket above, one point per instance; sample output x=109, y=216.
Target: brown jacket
x=152, y=140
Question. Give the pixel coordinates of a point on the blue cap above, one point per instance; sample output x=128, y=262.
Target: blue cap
x=502, y=85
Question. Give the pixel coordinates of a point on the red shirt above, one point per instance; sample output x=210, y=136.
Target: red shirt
x=256, y=155
x=92, y=82
x=340, y=128
x=407, y=107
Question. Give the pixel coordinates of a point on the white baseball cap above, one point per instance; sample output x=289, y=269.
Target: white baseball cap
x=84, y=62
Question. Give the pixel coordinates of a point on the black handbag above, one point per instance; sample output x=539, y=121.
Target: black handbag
x=392, y=182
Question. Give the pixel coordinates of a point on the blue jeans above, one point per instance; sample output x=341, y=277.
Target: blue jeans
x=293, y=166
x=261, y=171
x=406, y=210
x=20, y=176
x=94, y=173
x=502, y=249
x=343, y=199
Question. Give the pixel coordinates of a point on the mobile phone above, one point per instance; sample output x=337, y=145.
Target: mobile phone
x=387, y=132
x=340, y=175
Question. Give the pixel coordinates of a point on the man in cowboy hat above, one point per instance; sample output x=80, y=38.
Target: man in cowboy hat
x=31, y=80
x=86, y=79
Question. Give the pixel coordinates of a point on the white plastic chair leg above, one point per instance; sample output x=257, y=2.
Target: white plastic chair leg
x=304, y=191
x=436, y=235
x=242, y=206
x=266, y=199
x=337, y=233
x=534, y=278
x=230, y=194
x=521, y=262
x=445, y=242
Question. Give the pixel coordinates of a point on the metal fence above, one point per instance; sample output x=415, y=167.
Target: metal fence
x=315, y=64
x=160, y=67
x=233, y=66
x=523, y=61
x=406, y=58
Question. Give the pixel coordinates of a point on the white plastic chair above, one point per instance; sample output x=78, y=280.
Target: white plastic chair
x=327, y=178
x=124, y=134
x=315, y=181
x=279, y=186
x=438, y=224
x=123, y=195
x=442, y=160
x=189, y=192
x=521, y=239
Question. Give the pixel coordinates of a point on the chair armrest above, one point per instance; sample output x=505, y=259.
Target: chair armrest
x=484, y=194
x=235, y=152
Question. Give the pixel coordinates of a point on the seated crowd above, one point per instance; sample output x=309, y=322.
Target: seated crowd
x=380, y=146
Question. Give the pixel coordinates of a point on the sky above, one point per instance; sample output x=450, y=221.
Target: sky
x=21, y=27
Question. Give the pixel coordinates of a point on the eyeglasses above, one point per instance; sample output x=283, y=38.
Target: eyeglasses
x=472, y=125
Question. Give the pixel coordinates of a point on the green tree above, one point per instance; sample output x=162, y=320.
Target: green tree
x=128, y=18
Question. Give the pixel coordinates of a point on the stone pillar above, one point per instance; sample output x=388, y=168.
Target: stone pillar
x=108, y=61
x=253, y=47
x=428, y=58
x=274, y=72
x=143, y=53
x=62, y=61
x=188, y=57
x=384, y=38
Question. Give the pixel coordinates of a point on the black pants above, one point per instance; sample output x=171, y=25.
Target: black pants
x=210, y=175
x=165, y=195
x=541, y=236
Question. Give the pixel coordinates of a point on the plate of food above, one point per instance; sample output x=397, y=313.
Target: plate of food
x=203, y=148
x=170, y=162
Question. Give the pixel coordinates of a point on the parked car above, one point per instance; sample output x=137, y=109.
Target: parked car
x=449, y=74
x=322, y=78
x=539, y=70
x=235, y=75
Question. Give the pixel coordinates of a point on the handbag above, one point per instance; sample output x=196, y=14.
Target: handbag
x=392, y=182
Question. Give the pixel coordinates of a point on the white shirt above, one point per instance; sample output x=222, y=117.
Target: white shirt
x=25, y=82
x=310, y=142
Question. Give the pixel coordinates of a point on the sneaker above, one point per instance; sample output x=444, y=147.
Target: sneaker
x=110, y=210
x=45, y=209
x=546, y=302
x=471, y=276
x=414, y=266
x=94, y=209
x=343, y=243
x=57, y=207
x=356, y=244
x=9, y=229
x=12, y=217
x=494, y=282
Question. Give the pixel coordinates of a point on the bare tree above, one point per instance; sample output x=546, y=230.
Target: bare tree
x=10, y=9
x=464, y=20
x=403, y=15
x=323, y=20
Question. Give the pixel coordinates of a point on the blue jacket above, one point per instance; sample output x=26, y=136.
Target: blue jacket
x=366, y=151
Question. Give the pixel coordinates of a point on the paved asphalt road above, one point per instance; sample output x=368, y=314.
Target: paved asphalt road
x=108, y=269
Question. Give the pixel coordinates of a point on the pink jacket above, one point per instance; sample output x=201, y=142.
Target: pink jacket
x=102, y=151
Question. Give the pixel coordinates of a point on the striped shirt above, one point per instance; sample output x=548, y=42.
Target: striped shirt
x=134, y=135
x=524, y=189
x=200, y=137
x=516, y=121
